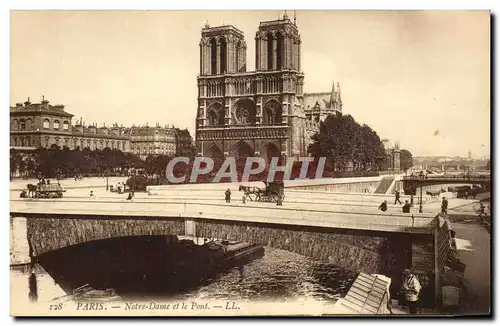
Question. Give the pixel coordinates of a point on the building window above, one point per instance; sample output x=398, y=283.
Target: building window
x=15, y=124
x=22, y=124
x=65, y=125
x=46, y=124
x=56, y=124
x=29, y=124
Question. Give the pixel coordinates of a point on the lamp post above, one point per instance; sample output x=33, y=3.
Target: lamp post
x=133, y=182
x=107, y=185
x=420, y=210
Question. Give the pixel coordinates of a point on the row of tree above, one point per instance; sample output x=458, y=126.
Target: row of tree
x=56, y=162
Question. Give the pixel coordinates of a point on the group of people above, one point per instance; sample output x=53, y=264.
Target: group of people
x=408, y=204
x=120, y=187
x=406, y=207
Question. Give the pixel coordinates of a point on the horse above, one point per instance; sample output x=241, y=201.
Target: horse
x=31, y=189
x=251, y=191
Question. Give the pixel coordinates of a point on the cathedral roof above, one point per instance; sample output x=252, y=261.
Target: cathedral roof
x=320, y=101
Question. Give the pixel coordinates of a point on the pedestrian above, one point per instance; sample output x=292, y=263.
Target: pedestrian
x=466, y=194
x=411, y=200
x=92, y=194
x=383, y=206
x=396, y=200
x=406, y=207
x=228, y=195
x=129, y=196
x=411, y=287
x=33, y=287
x=244, y=199
x=444, y=206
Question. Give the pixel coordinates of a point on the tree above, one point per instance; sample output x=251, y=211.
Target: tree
x=344, y=143
x=406, y=159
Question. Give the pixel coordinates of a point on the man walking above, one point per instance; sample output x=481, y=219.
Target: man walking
x=228, y=195
x=444, y=206
x=396, y=200
x=412, y=288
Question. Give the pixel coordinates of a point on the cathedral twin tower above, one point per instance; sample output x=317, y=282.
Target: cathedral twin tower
x=223, y=49
x=257, y=113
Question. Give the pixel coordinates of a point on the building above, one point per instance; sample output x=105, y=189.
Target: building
x=39, y=124
x=393, y=155
x=256, y=113
x=36, y=125
x=156, y=140
x=184, y=142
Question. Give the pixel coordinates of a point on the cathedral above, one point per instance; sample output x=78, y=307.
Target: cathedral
x=257, y=113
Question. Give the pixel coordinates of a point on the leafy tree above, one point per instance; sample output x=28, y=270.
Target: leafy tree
x=344, y=143
x=406, y=159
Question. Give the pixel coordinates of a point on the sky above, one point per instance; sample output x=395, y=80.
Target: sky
x=419, y=77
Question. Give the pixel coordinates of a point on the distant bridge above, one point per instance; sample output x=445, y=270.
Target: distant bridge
x=412, y=183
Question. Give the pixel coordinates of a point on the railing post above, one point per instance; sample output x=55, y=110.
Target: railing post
x=190, y=228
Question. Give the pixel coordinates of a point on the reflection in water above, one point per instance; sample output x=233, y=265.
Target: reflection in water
x=278, y=275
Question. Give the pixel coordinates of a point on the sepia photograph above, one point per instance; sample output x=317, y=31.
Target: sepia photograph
x=250, y=163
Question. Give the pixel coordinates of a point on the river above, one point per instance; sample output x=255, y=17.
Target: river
x=278, y=276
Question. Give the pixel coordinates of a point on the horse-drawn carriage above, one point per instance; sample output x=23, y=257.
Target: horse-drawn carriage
x=43, y=190
x=273, y=192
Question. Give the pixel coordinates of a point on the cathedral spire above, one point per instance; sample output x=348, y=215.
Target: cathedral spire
x=339, y=97
x=333, y=96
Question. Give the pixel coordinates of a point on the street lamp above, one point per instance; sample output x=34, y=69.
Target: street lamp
x=133, y=182
x=420, y=210
x=107, y=174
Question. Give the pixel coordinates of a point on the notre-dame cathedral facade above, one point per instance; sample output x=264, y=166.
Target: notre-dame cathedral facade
x=257, y=113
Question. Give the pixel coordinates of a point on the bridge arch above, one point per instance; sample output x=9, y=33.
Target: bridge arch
x=348, y=249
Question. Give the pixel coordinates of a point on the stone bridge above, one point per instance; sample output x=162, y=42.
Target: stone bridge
x=355, y=240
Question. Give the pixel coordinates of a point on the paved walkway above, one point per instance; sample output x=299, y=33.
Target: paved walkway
x=474, y=250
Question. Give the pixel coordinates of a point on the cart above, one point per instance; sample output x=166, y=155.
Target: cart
x=49, y=191
x=273, y=192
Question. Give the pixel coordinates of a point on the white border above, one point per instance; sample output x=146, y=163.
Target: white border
x=178, y=5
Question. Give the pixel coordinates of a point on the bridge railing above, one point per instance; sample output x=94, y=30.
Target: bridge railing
x=341, y=218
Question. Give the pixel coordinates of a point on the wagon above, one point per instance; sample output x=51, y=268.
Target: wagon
x=49, y=191
x=273, y=192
